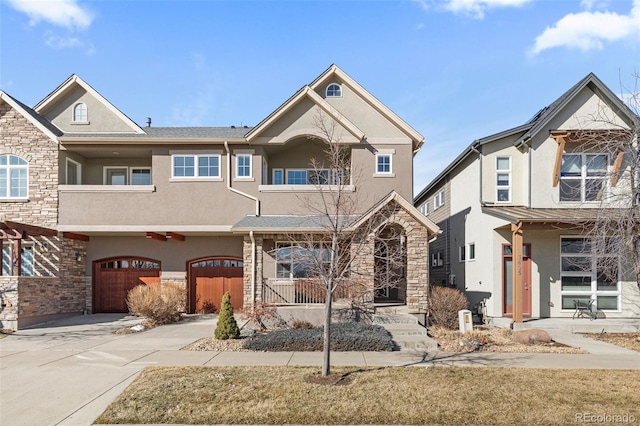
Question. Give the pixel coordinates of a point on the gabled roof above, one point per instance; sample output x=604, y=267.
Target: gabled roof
x=71, y=83
x=407, y=206
x=309, y=91
x=37, y=120
x=311, y=223
x=529, y=129
x=306, y=93
x=335, y=71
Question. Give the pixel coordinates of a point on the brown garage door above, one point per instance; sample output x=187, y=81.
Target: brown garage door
x=114, y=277
x=203, y=292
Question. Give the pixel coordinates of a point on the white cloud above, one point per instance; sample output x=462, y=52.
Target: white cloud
x=473, y=8
x=590, y=30
x=57, y=42
x=64, y=13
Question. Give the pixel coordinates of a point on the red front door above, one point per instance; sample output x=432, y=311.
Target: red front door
x=507, y=280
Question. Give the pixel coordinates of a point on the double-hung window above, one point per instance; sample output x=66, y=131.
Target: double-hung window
x=14, y=177
x=383, y=164
x=438, y=200
x=583, y=177
x=424, y=208
x=589, y=270
x=243, y=165
x=503, y=179
x=195, y=166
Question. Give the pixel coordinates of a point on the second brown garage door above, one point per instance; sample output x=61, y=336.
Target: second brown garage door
x=210, y=278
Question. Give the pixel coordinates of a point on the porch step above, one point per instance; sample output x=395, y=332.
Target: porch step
x=406, y=332
x=384, y=319
x=391, y=309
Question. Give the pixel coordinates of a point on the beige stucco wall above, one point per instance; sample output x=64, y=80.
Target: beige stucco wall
x=172, y=254
x=100, y=118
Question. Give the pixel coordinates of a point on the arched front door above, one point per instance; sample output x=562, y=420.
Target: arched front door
x=114, y=277
x=211, y=277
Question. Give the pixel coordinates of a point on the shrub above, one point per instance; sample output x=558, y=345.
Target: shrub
x=158, y=304
x=444, y=304
x=344, y=337
x=264, y=315
x=301, y=325
x=227, y=327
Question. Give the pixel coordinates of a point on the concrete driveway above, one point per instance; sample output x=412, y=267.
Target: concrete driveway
x=68, y=371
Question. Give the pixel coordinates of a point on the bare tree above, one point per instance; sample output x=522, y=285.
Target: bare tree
x=610, y=158
x=339, y=258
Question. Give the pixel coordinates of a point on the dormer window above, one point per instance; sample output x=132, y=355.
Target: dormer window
x=334, y=91
x=80, y=113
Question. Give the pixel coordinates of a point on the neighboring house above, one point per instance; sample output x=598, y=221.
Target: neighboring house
x=524, y=190
x=93, y=204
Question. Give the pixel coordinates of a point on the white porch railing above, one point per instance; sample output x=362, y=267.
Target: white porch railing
x=303, y=292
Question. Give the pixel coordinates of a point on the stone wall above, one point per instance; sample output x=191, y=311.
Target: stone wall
x=9, y=302
x=21, y=138
x=248, y=258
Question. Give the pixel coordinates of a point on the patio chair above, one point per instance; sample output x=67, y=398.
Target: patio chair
x=585, y=309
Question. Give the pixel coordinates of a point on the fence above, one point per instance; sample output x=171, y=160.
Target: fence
x=302, y=292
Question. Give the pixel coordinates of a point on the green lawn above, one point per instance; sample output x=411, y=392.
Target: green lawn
x=399, y=395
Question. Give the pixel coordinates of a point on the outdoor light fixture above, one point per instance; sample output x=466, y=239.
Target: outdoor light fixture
x=78, y=256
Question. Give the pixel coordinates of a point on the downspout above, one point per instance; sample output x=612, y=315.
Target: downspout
x=244, y=194
x=253, y=270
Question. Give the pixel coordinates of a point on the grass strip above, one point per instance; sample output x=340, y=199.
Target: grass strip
x=394, y=395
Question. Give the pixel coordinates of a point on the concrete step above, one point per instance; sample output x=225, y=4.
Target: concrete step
x=391, y=309
x=405, y=329
x=416, y=343
x=394, y=319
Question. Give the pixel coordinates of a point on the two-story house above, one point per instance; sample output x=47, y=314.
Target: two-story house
x=94, y=204
x=516, y=208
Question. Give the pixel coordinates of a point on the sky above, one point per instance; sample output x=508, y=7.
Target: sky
x=455, y=70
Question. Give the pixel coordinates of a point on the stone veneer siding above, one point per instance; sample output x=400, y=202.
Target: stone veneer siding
x=248, y=258
x=59, y=285
x=21, y=138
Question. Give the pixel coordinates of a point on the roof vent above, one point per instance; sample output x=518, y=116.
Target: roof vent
x=246, y=127
x=233, y=127
x=148, y=121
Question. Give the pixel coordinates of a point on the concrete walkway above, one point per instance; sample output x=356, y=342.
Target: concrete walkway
x=68, y=372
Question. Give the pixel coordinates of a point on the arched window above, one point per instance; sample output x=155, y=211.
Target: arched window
x=80, y=113
x=14, y=177
x=334, y=91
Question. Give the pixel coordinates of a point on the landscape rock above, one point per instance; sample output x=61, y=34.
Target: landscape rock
x=533, y=336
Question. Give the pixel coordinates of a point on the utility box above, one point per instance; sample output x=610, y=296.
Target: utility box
x=466, y=320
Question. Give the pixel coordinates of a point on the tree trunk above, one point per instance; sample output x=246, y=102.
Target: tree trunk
x=326, y=347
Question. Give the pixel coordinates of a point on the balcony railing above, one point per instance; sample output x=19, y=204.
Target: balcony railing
x=302, y=292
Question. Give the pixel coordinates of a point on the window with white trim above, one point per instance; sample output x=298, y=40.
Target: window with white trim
x=334, y=91
x=195, y=166
x=424, y=208
x=140, y=175
x=436, y=259
x=14, y=177
x=295, y=261
x=589, y=271
x=384, y=164
x=278, y=177
x=26, y=259
x=438, y=200
x=312, y=177
x=243, y=165
x=583, y=177
x=74, y=172
x=80, y=114
x=503, y=179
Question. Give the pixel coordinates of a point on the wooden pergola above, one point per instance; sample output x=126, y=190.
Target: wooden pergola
x=17, y=232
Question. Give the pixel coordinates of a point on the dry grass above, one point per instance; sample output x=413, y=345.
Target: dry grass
x=626, y=340
x=495, y=339
x=410, y=395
